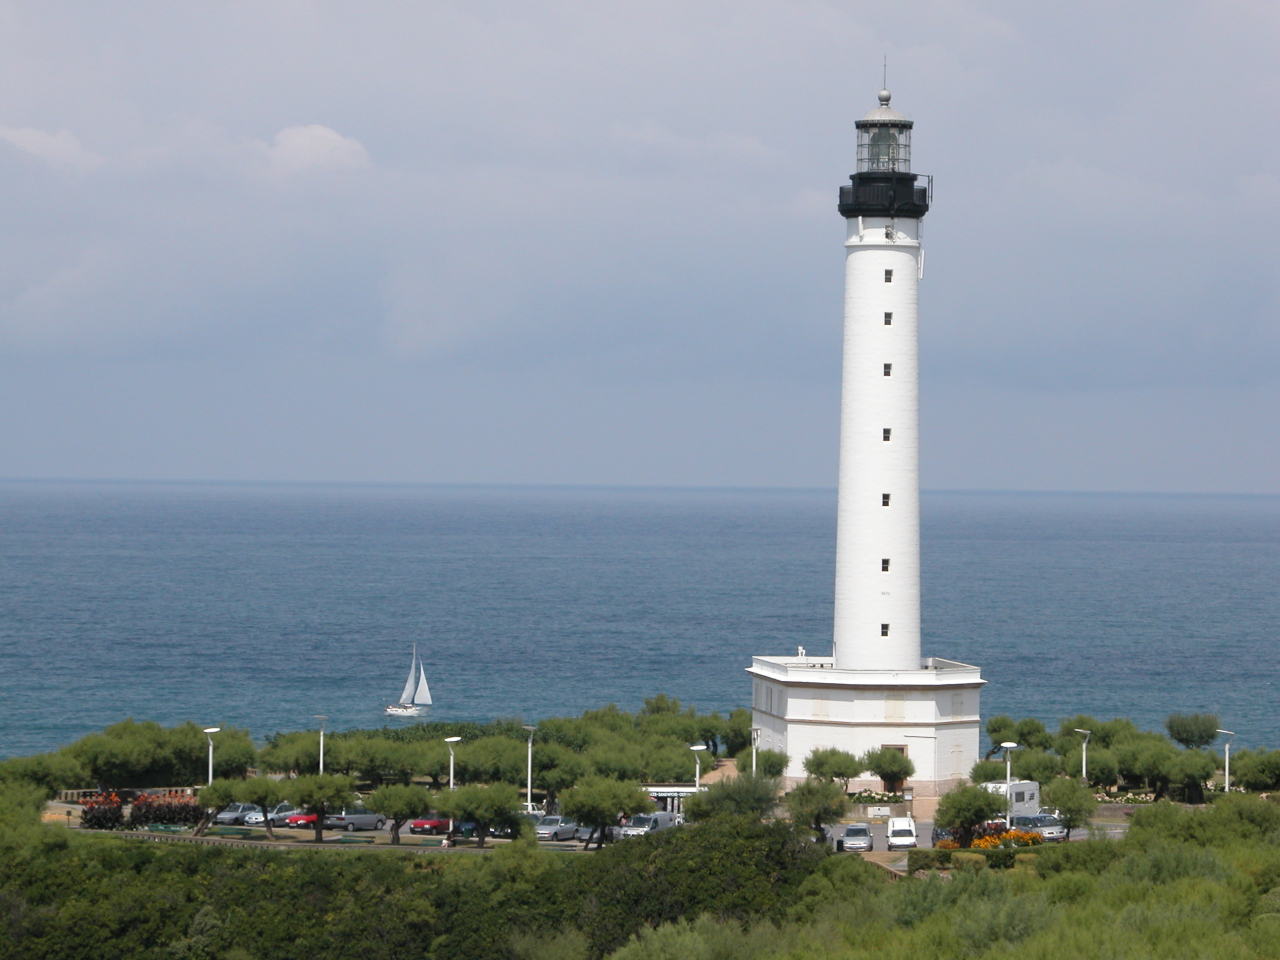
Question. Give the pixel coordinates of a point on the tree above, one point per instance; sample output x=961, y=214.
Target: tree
x=214, y=798
x=769, y=763
x=1256, y=769
x=598, y=802
x=964, y=809
x=1038, y=765
x=297, y=752
x=999, y=729
x=555, y=769
x=488, y=806
x=815, y=803
x=50, y=772
x=1195, y=731
x=986, y=771
x=492, y=760
x=1073, y=800
x=1101, y=768
x=831, y=763
x=319, y=794
x=262, y=792
x=737, y=731
x=1030, y=734
x=399, y=804
x=660, y=704
x=740, y=796
x=1186, y=772
x=890, y=765
x=1143, y=758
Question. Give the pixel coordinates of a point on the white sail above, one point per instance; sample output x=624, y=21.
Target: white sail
x=423, y=693
x=408, y=684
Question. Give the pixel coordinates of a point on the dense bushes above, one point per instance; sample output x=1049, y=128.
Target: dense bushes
x=1185, y=883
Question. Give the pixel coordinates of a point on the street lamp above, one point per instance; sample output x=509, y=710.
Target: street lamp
x=1008, y=746
x=208, y=735
x=755, y=742
x=451, y=741
x=1226, y=773
x=697, y=759
x=322, y=718
x=1084, y=755
x=528, y=769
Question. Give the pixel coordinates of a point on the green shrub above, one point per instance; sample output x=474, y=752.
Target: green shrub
x=921, y=859
x=968, y=860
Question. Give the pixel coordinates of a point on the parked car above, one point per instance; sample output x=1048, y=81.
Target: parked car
x=521, y=819
x=276, y=816
x=1048, y=826
x=556, y=828
x=354, y=817
x=300, y=820
x=902, y=833
x=236, y=812
x=433, y=823
x=643, y=823
x=855, y=837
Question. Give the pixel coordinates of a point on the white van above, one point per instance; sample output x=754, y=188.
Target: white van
x=902, y=833
x=643, y=823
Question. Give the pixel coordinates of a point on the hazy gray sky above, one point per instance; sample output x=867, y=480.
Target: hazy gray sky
x=597, y=242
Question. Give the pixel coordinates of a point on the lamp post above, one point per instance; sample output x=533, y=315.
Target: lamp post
x=208, y=735
x=1226, y=772
x=755, y=742
x=1084, y=755
x=451, y=741
x=322, y=718
x=697, y=759
x=528, y=769
x=1008, y=746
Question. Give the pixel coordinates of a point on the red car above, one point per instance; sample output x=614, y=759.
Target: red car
x=429, y=824
x=301, y=820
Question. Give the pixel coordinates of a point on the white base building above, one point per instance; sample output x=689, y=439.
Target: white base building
x=800, y=704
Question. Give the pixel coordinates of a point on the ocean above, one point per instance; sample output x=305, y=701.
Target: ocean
x=259, y=606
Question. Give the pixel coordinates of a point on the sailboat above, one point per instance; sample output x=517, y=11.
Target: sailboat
x=416, y=694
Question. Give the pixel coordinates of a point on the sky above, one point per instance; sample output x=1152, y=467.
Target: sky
x=597, y=243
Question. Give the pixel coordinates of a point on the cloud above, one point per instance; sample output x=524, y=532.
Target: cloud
x=314, y=147
x=62, y=149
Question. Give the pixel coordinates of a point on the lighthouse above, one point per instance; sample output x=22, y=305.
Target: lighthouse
x=876, y=690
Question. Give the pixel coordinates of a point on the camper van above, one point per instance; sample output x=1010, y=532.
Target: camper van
x=1025, y=796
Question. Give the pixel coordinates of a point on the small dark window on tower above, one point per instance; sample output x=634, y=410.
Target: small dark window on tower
x=884, y=629
x=884, y=499
x=884, y=565
x=888, y=369
x=888, y=276
x=887, y=432
x=888, y=318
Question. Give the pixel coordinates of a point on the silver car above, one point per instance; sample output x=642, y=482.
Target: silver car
x=1048, y=826
x=855, y=837
x=276, y=817
x=236, y=812
x=556, y=828
x=354, y=817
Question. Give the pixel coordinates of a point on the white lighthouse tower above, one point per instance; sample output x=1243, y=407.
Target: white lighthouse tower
x=875, y=690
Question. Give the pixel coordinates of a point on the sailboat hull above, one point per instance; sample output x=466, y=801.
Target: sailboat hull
x=405, y=710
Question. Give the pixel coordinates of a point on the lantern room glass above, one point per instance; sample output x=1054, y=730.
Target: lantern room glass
x=884, y=148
